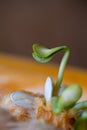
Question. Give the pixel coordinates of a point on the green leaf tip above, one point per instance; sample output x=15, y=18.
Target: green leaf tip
x=41, y=51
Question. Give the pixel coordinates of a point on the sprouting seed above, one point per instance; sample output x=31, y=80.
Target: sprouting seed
x=62, y=98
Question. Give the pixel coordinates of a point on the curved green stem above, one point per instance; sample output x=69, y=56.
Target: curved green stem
x=61, y=68
x=44, y=54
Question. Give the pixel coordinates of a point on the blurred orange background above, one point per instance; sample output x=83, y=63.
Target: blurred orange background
x=50, y=22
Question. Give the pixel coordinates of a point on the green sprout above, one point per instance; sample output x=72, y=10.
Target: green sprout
x=69, y=97
x=44, y=54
